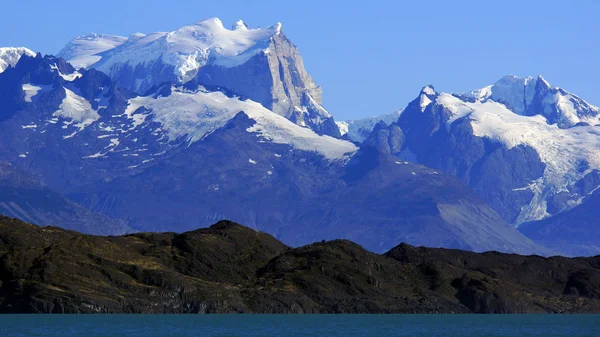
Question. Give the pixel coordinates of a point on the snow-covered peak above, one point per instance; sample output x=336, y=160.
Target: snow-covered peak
x=426, y=96
x=543, y=82
x=10, y=56
x=187, y=49
x=359, y=129
x=136, y=36
x=560, y=149
x=536, y=96
x=515, y=92
x=240, y=24
x=83, y=51
x=428, y=90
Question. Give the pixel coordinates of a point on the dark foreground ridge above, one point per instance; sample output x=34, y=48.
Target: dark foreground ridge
x=228, y=268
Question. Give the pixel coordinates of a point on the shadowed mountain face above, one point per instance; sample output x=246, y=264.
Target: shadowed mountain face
x=300, y=197
x=25, y=197
x=230, y=268
x=572, y=233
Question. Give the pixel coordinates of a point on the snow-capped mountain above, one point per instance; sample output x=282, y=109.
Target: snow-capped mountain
x=84, y=112
x=84, y=51
x=358, y=130
x=535, y=96
x=259, y=64
x=525, y=147
x=183, y=156
x=10, y=56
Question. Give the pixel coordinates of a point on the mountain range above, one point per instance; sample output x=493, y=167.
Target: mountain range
x=175, y=131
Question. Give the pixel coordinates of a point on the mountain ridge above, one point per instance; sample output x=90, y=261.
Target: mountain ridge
x=196, y=151
x=228, y=268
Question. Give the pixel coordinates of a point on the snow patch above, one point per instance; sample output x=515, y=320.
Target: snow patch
x=77, y=109
x=67, y=77
x=32, y=90
x=195, y=114
x=424, y=102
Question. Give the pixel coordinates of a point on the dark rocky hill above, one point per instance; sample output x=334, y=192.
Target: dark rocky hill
x=230, y=268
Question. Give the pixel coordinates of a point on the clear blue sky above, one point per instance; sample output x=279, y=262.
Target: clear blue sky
x=370, y=57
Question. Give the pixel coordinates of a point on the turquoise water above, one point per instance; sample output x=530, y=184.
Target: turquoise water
x=298, y=325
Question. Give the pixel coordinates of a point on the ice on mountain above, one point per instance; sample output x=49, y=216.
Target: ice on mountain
x=186, y=49
x=9, y=57
x=518, y=95
x=83, y=51
x=557, y=147
x=32, y=90
x=424, y=102
x=240, y=24
x=67, y=77
x=195, y=114
x=77, y=109
x=358, y=130
x=428, y=90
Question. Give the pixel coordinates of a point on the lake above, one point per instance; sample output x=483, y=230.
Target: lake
x=299, y=325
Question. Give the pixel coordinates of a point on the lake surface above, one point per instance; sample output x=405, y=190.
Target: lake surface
x=299, y=325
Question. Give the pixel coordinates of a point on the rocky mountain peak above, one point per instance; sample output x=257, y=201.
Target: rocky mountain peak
x=256, y=63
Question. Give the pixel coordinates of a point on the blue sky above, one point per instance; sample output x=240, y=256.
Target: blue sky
x=370, y=57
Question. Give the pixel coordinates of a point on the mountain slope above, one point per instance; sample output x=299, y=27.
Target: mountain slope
x=24, y=197
x=228, y=268
x=84, y=51
x=259, y=64
x=572, y=233
x=303, y=196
